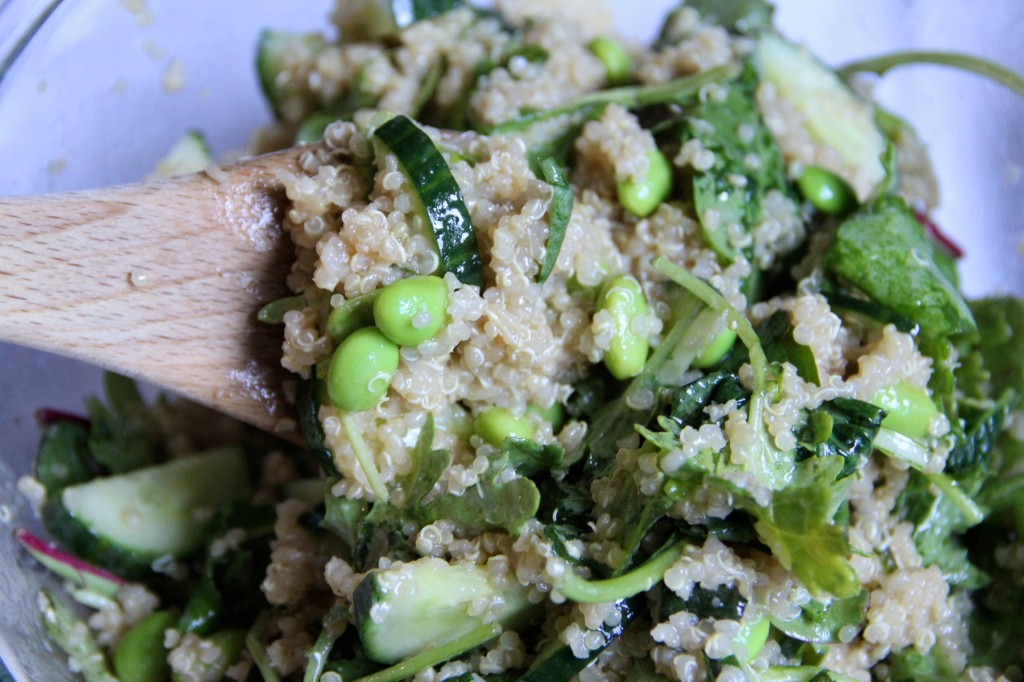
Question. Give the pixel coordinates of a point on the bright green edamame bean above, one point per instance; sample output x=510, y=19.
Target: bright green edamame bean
x=412, y=310
x=751, y=639
x=615, y=58
x=641, y=198
x=716, y=349
x=496, y=424
x=623, y=298
x=908, y=409
x=554, y=415
x=273, y=312
x=140, y=656
x=353, y=313
x=361, y=370
x=828, y=192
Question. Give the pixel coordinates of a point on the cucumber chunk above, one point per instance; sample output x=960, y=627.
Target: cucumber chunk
x=271, y=57
x=128, y=521
x=835, y=116
x=411, y=607
x=190, y=154
x=373, y=19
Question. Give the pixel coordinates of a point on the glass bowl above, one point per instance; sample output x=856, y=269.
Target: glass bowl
x=94, y=92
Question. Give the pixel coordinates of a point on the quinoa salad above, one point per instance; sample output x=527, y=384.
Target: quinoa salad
x=612, y=361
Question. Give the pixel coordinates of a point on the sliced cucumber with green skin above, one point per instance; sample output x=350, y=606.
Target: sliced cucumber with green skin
x=414, y=606
x=372, y=19
x=127, y=522
x=270, y=51
x=440, y=197
x=79, y=573
x=835, y=116
x=189, y=154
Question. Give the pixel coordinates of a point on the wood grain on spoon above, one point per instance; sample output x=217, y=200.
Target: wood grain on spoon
x=160, y=281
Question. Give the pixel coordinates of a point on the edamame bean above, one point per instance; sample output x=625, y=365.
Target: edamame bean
x=908, y=410
x=413, y=310
x=273, y=312
x=617, y=63
x=496, y=424
x=353, y=313
x=140, y=656
x=751, y=639
x=716, y=349
x=361, y=370
x=554, y=415
x=623, y=298
x=828, y=192
x=642, y=198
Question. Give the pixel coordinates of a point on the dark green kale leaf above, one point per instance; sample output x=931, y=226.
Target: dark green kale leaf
x=843, y=427
x=882, y=250
x=723, y=602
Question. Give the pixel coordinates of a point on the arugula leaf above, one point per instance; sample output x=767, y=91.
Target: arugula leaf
x=843, y=427
x=428, y=465
x=124, y=434
x=823, y=621
x=882, y=250
x=731, y=128
x=560, y=212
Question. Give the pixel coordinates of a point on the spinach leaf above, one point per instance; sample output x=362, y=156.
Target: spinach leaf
x=688, y=402
x=823, y=622
x=882, y=250
x=842, y=427
x=560, y=212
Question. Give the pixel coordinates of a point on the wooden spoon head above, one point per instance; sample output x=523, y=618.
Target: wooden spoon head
x=160, y=281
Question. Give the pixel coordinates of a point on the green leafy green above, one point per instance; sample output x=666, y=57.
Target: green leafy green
x=798, y=527
x=882, y=250
x=427, y=467
x=825, y=621
x=730, y=126
x=530, y=458
x=842, y=427
x=63, y=457
x=124, y=434
x=560, y=212
x=909, y=665
x=999, y=343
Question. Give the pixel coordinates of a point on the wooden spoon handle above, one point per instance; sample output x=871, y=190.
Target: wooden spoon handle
x=160, y=281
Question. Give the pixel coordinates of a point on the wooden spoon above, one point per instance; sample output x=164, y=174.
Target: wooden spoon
x=160, y=281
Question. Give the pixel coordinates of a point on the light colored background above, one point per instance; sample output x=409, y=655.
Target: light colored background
x=84, y=105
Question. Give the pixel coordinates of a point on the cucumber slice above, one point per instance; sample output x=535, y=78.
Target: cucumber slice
x=373, y=19
x=270, y=66
x=127, y=522
x=414, y=606
x=190, y=154
x=835, y=116
x=440, y=197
